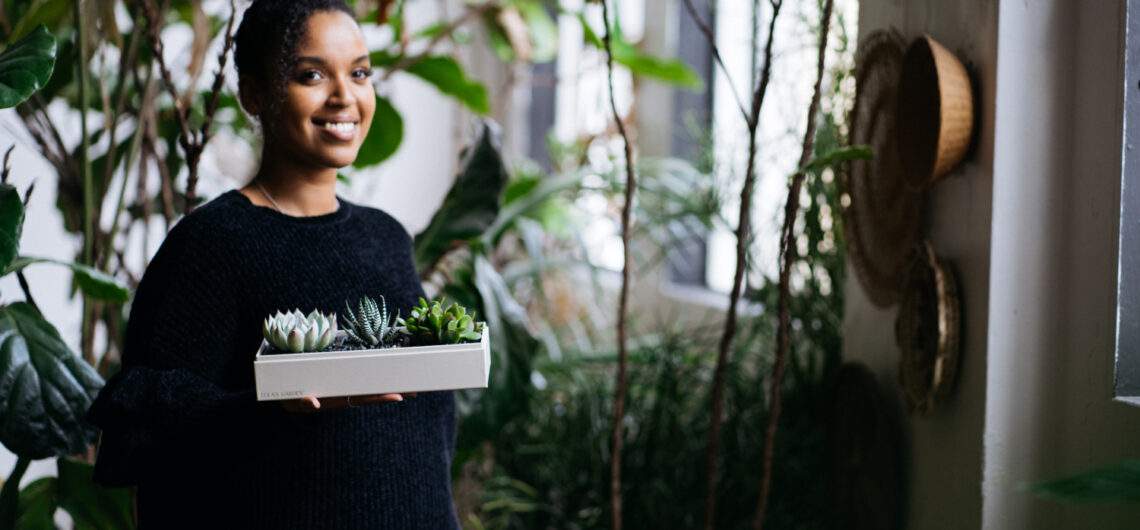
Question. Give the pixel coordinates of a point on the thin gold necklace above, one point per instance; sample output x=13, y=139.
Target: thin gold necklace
x=267, y=196
x=275, y=206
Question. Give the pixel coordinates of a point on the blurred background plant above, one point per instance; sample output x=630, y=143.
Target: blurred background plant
x=508, y=240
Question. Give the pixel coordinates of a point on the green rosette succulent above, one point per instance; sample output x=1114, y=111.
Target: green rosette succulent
x=434, y=324
x=296, y=332
x=371, y=325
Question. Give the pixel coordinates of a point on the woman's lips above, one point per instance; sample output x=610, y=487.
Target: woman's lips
x=344, y=131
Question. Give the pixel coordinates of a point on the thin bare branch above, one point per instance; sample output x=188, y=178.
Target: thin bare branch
x=787, y=246
x=743, y=234
x=219, y=76
x=154, y=31
x=623, y=298
x=6, y=168
x=707, y=31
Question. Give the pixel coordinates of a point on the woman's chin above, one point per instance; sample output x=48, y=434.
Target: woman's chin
x=339, y=159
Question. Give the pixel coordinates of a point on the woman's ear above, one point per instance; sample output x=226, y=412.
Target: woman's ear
x=249, y=95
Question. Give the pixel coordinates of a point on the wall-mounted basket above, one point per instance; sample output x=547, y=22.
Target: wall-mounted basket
x=927, y=330
x=883, y=219
x=935, y=112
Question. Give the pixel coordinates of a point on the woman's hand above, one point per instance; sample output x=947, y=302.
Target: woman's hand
x=308, y=404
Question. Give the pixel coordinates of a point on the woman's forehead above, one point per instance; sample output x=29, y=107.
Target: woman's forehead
x=333, y=36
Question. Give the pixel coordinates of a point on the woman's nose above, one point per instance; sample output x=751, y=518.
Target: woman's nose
x=342, y=92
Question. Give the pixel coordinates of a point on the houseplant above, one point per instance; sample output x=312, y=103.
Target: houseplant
x=434, y=348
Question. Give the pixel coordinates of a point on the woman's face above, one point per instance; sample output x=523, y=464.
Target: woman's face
x=328, y=99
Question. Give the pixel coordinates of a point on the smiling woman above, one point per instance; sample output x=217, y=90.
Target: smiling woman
x=309, y=85
x=180, y=419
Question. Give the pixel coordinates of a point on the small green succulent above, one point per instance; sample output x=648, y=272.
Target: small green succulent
x=371, y=325
x=434, y=324
x=295, y=332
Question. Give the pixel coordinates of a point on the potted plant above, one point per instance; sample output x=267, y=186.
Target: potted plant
x=436, y=347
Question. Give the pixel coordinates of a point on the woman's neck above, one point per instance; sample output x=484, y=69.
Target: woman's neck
x=296, y=191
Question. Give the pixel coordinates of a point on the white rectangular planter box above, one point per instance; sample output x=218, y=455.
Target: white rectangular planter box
x=379, y=371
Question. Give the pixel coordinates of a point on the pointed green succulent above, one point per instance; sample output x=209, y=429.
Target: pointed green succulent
x=434, y=324
x=295, y=332
x=371, y=325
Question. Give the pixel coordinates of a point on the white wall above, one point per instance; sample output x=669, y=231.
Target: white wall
x=945, y=468
x=1030, y=221
x=1056, y=209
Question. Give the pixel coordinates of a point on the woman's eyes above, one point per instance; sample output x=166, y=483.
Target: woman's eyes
x=313, y=75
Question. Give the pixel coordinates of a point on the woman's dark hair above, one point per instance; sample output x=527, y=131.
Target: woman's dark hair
x=265, y=44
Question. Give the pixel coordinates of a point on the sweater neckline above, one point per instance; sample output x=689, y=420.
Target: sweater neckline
x=343, y=211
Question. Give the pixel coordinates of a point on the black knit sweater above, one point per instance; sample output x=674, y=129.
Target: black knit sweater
x=181, y=420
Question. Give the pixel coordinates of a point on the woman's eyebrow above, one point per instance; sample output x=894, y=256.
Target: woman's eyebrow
x=320, y=61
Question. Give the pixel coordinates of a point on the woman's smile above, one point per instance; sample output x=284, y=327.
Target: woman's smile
x=339, y=129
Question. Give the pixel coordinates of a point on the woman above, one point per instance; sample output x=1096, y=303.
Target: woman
x=180, y=418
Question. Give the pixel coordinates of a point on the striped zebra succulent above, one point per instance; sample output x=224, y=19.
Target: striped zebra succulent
x=371, y=325
x=295, y=332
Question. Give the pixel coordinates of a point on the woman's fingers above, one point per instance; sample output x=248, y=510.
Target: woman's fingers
x=302, y=404
x=310, y=403
x=376, y=398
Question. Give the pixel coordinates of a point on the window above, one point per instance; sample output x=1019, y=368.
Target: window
x=1128, y=272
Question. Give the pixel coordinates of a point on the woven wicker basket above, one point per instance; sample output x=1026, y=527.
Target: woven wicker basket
x=935, y=112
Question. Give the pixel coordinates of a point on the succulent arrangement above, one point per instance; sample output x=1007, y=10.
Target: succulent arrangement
x=431, y=323
x=372, y=326
x=295, y=332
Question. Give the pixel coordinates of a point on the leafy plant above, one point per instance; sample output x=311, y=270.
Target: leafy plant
x=26, y=66
x=434, y=324
x=371, y=326
x=295, y=332
x=1118, y=482
x=44, y=386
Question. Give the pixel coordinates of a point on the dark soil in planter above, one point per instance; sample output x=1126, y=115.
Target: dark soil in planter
x=342, y=343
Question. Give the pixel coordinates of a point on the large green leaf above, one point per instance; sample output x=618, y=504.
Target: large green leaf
x=384, y=135
x=44, y=388
x=37, y=505
x=11, y=224
x=26, y=66
x=670, y=71
x=513, y=350
x=31, y=15
x=1119, y=482
x=470, y=206
x=90, y=506
x=94, y=283
x=526, y=203
x=445, y=73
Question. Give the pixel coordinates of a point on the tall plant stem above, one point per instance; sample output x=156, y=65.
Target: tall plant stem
x=10, y=493
x=787, y=242
x=623, y=298
x=87, y=334
x=743, y=231
x=84, y=166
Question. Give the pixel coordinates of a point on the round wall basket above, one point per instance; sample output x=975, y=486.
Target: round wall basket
x=927, y=330
x=883, y=217
x=935, y=112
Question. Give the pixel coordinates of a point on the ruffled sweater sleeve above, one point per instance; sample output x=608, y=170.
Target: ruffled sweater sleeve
x=180, y=335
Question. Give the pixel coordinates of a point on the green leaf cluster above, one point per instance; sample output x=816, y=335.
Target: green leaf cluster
x=432, y=323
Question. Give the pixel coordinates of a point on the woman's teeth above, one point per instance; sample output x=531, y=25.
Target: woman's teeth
x=341, y=127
